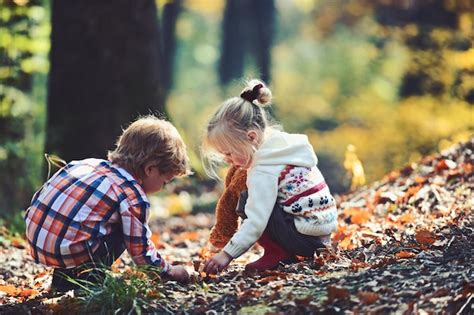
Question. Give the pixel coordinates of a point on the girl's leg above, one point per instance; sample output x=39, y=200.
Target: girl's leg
x=273, y=255
x=281, y=228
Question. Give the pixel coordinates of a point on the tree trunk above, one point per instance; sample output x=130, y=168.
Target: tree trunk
x=170, y=16
x=105, y=71
x=248, y=29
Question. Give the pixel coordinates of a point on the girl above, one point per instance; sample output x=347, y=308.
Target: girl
x=288, y=208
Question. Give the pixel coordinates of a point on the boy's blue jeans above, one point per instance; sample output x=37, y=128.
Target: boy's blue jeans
x=109, y=250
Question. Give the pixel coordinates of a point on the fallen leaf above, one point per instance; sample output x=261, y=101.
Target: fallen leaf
x=407, y=217
x=425, y=237
x=405, y=254
x=346, y=243
x=18, y=243
x=10, y=290
x=357, y=215
x=250, y=294
x=337, y=293
x=188, y=235
x=28, y=293
x=155, y=238
x=409, y=193
x=368, y=297
x=115, y=265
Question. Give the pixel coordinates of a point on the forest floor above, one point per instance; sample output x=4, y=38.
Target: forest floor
x=404, y=245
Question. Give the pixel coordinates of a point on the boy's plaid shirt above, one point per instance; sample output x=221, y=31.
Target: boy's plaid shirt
x=80, y=204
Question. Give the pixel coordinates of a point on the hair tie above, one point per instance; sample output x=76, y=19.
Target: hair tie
x=251, y=95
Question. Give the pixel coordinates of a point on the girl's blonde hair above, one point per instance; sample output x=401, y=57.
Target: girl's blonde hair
x=150, y=139
x=230, y=124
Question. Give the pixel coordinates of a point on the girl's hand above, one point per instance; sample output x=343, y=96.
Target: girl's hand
x=178, y=273
x=217, y=263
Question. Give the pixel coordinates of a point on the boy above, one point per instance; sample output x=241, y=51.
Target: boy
x=91, y=210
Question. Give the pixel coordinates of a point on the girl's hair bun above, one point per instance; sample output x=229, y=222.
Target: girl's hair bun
x=257, y=90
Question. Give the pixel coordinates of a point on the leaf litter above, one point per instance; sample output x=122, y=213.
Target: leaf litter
x=405, y=244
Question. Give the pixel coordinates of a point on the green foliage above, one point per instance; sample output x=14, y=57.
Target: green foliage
x=20, y=149
x=24, y=46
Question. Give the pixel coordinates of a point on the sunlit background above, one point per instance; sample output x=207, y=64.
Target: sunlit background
x=393, y=78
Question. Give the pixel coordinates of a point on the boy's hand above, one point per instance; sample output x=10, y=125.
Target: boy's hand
x=177, y=273
x=217, y=263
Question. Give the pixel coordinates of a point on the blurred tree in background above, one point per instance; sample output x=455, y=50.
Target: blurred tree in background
x=169, y=18
x=247, y=30
x=24, y=46
x=105, y=71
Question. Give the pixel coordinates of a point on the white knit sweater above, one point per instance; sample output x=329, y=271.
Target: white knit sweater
x=284, y=170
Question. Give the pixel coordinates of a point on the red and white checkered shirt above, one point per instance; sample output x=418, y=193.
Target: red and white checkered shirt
x=79, y=205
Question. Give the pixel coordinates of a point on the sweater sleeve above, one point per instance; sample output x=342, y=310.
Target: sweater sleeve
x=137, y=236
x=262, y=196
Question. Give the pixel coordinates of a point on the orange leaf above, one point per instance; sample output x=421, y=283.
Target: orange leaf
x=191, y=236
x=155, y=238
x=10, y=290
x=420, y=180
x=410, y=192
x=18, y=243
x=154, y=294
x=358, y=216
x=28, y=292
x=405, y=254
x=115, y=265
x=345, y=243
x=407, y=217
x=445, y=165
x=392, y=176
x=368, y=297
x=425, y=237
x=337, y=293
x=340, y=234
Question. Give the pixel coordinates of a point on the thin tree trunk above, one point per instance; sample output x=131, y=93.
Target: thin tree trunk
x=248, y=29
x=170, y=16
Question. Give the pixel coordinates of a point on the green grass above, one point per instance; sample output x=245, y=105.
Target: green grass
x=127, y=293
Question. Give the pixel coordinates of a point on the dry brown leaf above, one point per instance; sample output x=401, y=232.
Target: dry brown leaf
x=368, y=297
x=305, y=301
x=251, y=293
x=425, y=237
x=405, y=254
x=337, y=293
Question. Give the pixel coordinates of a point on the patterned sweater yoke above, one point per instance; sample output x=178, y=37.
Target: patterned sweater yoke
x=303, y=193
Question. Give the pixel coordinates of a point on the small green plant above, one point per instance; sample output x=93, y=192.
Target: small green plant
x=125, y=293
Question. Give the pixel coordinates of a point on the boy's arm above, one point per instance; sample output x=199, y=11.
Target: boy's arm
x=137, y=236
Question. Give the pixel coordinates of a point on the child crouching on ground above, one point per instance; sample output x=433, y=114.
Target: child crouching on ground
x=87, y=213
x=288, y=208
